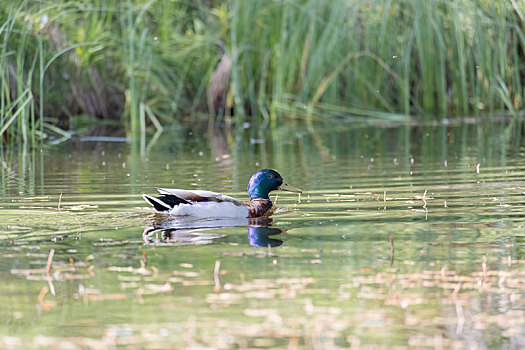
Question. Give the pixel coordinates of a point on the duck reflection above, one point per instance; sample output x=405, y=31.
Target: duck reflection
x=259, y=236
x=169, y=230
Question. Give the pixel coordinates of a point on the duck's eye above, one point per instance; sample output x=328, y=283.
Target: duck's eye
x=270, y=176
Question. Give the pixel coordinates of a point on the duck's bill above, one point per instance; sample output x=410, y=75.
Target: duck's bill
x=285, y=187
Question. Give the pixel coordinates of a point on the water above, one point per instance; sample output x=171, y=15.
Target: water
x=400, y=239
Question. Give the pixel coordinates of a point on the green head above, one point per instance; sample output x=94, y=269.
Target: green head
x=266, y=180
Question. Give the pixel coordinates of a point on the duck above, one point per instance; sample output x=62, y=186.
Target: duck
x=209, y=204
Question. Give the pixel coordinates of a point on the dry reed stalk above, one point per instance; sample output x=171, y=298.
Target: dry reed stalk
x=41, y=297
x=391, y=250
x=144, y=260
x=59, y=201
x=50, y=261
x=73, y=265
x=216, y=270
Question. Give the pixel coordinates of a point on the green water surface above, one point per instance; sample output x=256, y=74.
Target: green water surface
x=405, y=236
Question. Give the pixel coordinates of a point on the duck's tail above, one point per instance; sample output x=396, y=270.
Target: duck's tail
x=164, y=203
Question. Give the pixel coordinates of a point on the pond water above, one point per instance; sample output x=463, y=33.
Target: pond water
x=405, y=236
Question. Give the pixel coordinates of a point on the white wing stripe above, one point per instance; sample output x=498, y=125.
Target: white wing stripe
x=149, y=199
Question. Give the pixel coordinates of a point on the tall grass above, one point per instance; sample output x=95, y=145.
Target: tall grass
x=23, y=64
x=17, y=114
x=422, y=58
x=148, y=62
x=144, y=62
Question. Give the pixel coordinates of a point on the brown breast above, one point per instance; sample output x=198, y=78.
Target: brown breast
x=259, y=207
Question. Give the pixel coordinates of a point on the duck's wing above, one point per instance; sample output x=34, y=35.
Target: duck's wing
x=198, y=195
x=164, y=203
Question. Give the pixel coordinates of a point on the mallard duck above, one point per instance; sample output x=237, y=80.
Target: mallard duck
x=202, y=204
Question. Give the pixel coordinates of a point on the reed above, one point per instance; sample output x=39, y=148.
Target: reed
x=16, y=71
x=421, y=58
x=149, y=62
